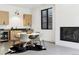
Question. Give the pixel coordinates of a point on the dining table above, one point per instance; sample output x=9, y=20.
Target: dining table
x=30, y=34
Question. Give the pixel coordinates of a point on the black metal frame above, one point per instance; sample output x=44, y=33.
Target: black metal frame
x=72, y=30
x=42, y=18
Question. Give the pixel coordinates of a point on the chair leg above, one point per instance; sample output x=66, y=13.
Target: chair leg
x=40, y=42
x=43, y=43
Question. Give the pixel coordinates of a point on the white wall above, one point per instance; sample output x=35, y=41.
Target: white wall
x=13, y=20
x=47, y=35
x=66, y=15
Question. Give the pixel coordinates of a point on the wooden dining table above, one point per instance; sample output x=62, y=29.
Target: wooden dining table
x=28, y=34
x=24, y=33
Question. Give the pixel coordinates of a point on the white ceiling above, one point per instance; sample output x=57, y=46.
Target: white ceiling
x=28, y=5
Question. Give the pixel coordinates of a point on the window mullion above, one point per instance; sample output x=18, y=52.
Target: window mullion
x=47, y=18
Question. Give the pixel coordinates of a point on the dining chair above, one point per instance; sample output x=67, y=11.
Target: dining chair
x=35, y=38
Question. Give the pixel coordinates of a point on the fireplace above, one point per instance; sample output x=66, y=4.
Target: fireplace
x=69, y=34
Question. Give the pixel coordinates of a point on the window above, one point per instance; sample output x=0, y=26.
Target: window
x=46, y=18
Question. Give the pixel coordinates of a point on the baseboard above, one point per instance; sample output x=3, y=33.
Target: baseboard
x=50, y=42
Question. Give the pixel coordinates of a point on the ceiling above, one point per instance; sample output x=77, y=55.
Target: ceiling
x=28, y=5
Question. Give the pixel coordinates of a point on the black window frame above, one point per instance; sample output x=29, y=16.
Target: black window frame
x=46, y=19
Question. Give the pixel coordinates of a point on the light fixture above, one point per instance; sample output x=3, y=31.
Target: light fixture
x=17, y=13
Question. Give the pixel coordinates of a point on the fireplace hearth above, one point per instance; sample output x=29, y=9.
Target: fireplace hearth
x=69, y=34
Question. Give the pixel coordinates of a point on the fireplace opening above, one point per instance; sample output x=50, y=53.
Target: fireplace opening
x=69, y=34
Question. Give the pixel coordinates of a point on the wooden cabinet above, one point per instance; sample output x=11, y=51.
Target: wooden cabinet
x=14, y=34
x=4, y=18
x=14, y=37
x=27, y=19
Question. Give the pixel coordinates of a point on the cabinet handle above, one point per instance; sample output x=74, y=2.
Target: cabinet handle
x=4, y=22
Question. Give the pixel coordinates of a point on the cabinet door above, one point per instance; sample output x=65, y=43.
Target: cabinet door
x=30, y=20
x=4, y=18
x=14, y=34
x=27, y=20
x=1, y=19
x=14, y=37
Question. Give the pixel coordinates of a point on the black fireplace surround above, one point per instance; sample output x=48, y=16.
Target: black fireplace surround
x=69, y=34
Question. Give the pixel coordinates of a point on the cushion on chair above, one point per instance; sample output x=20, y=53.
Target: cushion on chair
x=33, y=36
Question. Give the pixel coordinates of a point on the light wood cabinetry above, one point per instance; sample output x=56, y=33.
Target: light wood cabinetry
x=27, y=19
x=14, y=34
x=14, y=37
x=4, y=18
